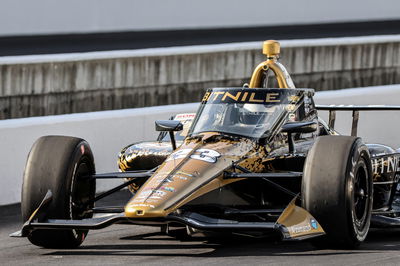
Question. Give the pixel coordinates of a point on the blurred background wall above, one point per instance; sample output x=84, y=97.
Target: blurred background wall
x=27, y=17
x=107, y=80
x=60, y=26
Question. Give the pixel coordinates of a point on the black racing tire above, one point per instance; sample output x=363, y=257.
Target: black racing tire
x=337, y=190
x=59, y=164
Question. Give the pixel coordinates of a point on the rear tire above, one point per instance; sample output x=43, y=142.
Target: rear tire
x=337, y=190
x=59, y=164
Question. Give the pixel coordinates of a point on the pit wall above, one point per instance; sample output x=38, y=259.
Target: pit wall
x=72, y=83
x=109, y=131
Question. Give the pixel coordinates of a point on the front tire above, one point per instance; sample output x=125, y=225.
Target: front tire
x=337, y=190
x=59, y=164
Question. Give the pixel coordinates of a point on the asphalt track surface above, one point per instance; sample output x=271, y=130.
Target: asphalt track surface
x=142, y=245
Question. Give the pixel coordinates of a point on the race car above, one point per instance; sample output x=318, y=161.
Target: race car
x=255, y=161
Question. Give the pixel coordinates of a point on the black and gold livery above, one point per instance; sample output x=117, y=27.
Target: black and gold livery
x=253, y=161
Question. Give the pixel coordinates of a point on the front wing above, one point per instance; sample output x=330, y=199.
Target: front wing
x=294, y=223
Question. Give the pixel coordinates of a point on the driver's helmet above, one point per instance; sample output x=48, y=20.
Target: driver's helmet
x=251, y=114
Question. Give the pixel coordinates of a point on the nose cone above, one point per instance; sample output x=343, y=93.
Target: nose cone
x=191, y=171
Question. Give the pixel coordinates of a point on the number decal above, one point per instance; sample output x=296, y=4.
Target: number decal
x=179, y=154
x=205, y=155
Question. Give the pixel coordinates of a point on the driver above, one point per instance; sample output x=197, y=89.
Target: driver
x=252, y=114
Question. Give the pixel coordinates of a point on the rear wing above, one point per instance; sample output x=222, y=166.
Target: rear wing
x=355, y=109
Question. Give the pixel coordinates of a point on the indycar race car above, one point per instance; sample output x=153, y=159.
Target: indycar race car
x=252, y=161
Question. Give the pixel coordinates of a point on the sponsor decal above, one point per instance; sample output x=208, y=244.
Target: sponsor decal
x=185, y=173
x=150, y=194
x=153, y=145
x=163, y=173
x=168, y=179
x=164, y=179
x=297, y=229
x=169, y=189
x=292, y=117
x=294, y=98
x=385, y=165
x=184, y=116
x=143, y=195
x=206, y=155
x=255, y=96
x=82, y=149
x=290, y=107
x=241, y=96
x=155, y=197
x=172, y=178
x=143, y=205
x=157, y=194
x=148, y=201
x=313, y=223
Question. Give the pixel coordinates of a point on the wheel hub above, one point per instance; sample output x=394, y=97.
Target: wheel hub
x=360, y=193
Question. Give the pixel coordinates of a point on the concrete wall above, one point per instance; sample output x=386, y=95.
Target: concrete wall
x=109, y=131
x=69, y=83
x=27, y=17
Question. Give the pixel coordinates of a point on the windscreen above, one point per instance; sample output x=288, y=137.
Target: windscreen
x=253, y=113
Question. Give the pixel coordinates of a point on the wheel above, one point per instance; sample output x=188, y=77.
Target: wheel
x=337, y=190
x=60, y=164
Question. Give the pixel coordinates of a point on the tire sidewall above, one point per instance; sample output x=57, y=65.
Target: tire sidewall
x=81, y=153
x=359, y=158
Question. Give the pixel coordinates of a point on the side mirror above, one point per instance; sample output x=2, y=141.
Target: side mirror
x=170, y=126
x=298, y=127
